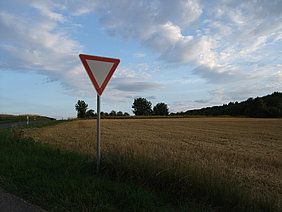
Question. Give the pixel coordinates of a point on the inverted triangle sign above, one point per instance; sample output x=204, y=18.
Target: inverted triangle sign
x=99, y=70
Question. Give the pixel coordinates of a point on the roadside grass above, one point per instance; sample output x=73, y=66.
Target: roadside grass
x=17, y=132
x=20, y=118
x=43, y=124
x=60, y=180
x=231, y=164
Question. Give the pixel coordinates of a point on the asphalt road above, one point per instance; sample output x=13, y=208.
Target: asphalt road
x=7, y=125
x=11, y=203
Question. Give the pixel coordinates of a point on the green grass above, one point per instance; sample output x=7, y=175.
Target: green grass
x=43, y=124
x=59, y=180
x=20, y=118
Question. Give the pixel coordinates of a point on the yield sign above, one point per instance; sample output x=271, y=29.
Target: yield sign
x=99, y=69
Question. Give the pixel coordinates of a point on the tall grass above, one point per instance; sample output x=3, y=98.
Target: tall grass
x=189, y=183
x=59, y=180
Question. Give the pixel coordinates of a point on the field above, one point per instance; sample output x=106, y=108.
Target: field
x=226, y=162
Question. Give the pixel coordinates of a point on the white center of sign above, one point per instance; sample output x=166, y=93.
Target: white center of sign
x=101, y=70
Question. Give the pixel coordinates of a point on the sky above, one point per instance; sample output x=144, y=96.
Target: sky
x=186, y=53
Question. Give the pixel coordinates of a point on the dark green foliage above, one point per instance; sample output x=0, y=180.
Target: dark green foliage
x=119, y=113
x=90, y=113
x=161, y=109
x=269, y=106
x=113, y=113
x=82, y=111
x=81, y=108
x=142, y=107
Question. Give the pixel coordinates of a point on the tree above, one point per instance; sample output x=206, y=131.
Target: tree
x=119, y=113
x=81, y=108
x=142, y=107
x=90, y=113
x=161, y=109
x=258, y=108
x=126, y=114
x=113, y=113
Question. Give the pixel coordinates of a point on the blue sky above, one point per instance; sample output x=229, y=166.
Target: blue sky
x=186, y=53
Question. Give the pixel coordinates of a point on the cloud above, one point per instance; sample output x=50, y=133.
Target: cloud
x=135, y=86
x=202, y=101
x=38, y=44
x=47, y=10
x=213, y=39
x=243, y=90
x=151, y=97
x=134, y=80
x=223, y=42
x=180, y=107
x=139, y=55
x=220, y=74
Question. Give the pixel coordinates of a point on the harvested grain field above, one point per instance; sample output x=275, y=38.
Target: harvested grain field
x=242, y=150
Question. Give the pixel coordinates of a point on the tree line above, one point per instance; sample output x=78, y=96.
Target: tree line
x=141, y=107
x=260, y=107
x=269, y=106
x=83, y=111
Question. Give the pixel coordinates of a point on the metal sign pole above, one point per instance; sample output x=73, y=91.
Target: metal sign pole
x=100, y=71
x=98, y=155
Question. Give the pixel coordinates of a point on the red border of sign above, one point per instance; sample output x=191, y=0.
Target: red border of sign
x=84, y=57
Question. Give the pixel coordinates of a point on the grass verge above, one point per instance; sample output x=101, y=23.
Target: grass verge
x=21, y=118
x=59, y=180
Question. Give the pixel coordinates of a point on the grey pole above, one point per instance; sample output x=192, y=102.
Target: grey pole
x=98, y=155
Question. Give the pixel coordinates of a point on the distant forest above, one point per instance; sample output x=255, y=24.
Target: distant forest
x=269, y=106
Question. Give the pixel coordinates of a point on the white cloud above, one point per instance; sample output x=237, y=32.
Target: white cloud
x=214, y=36
x=133, y=81
x=220, y=74
x=223, y=42
x=46, y=10
x=135, y=86
x=39, y=43
x=139, y=55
